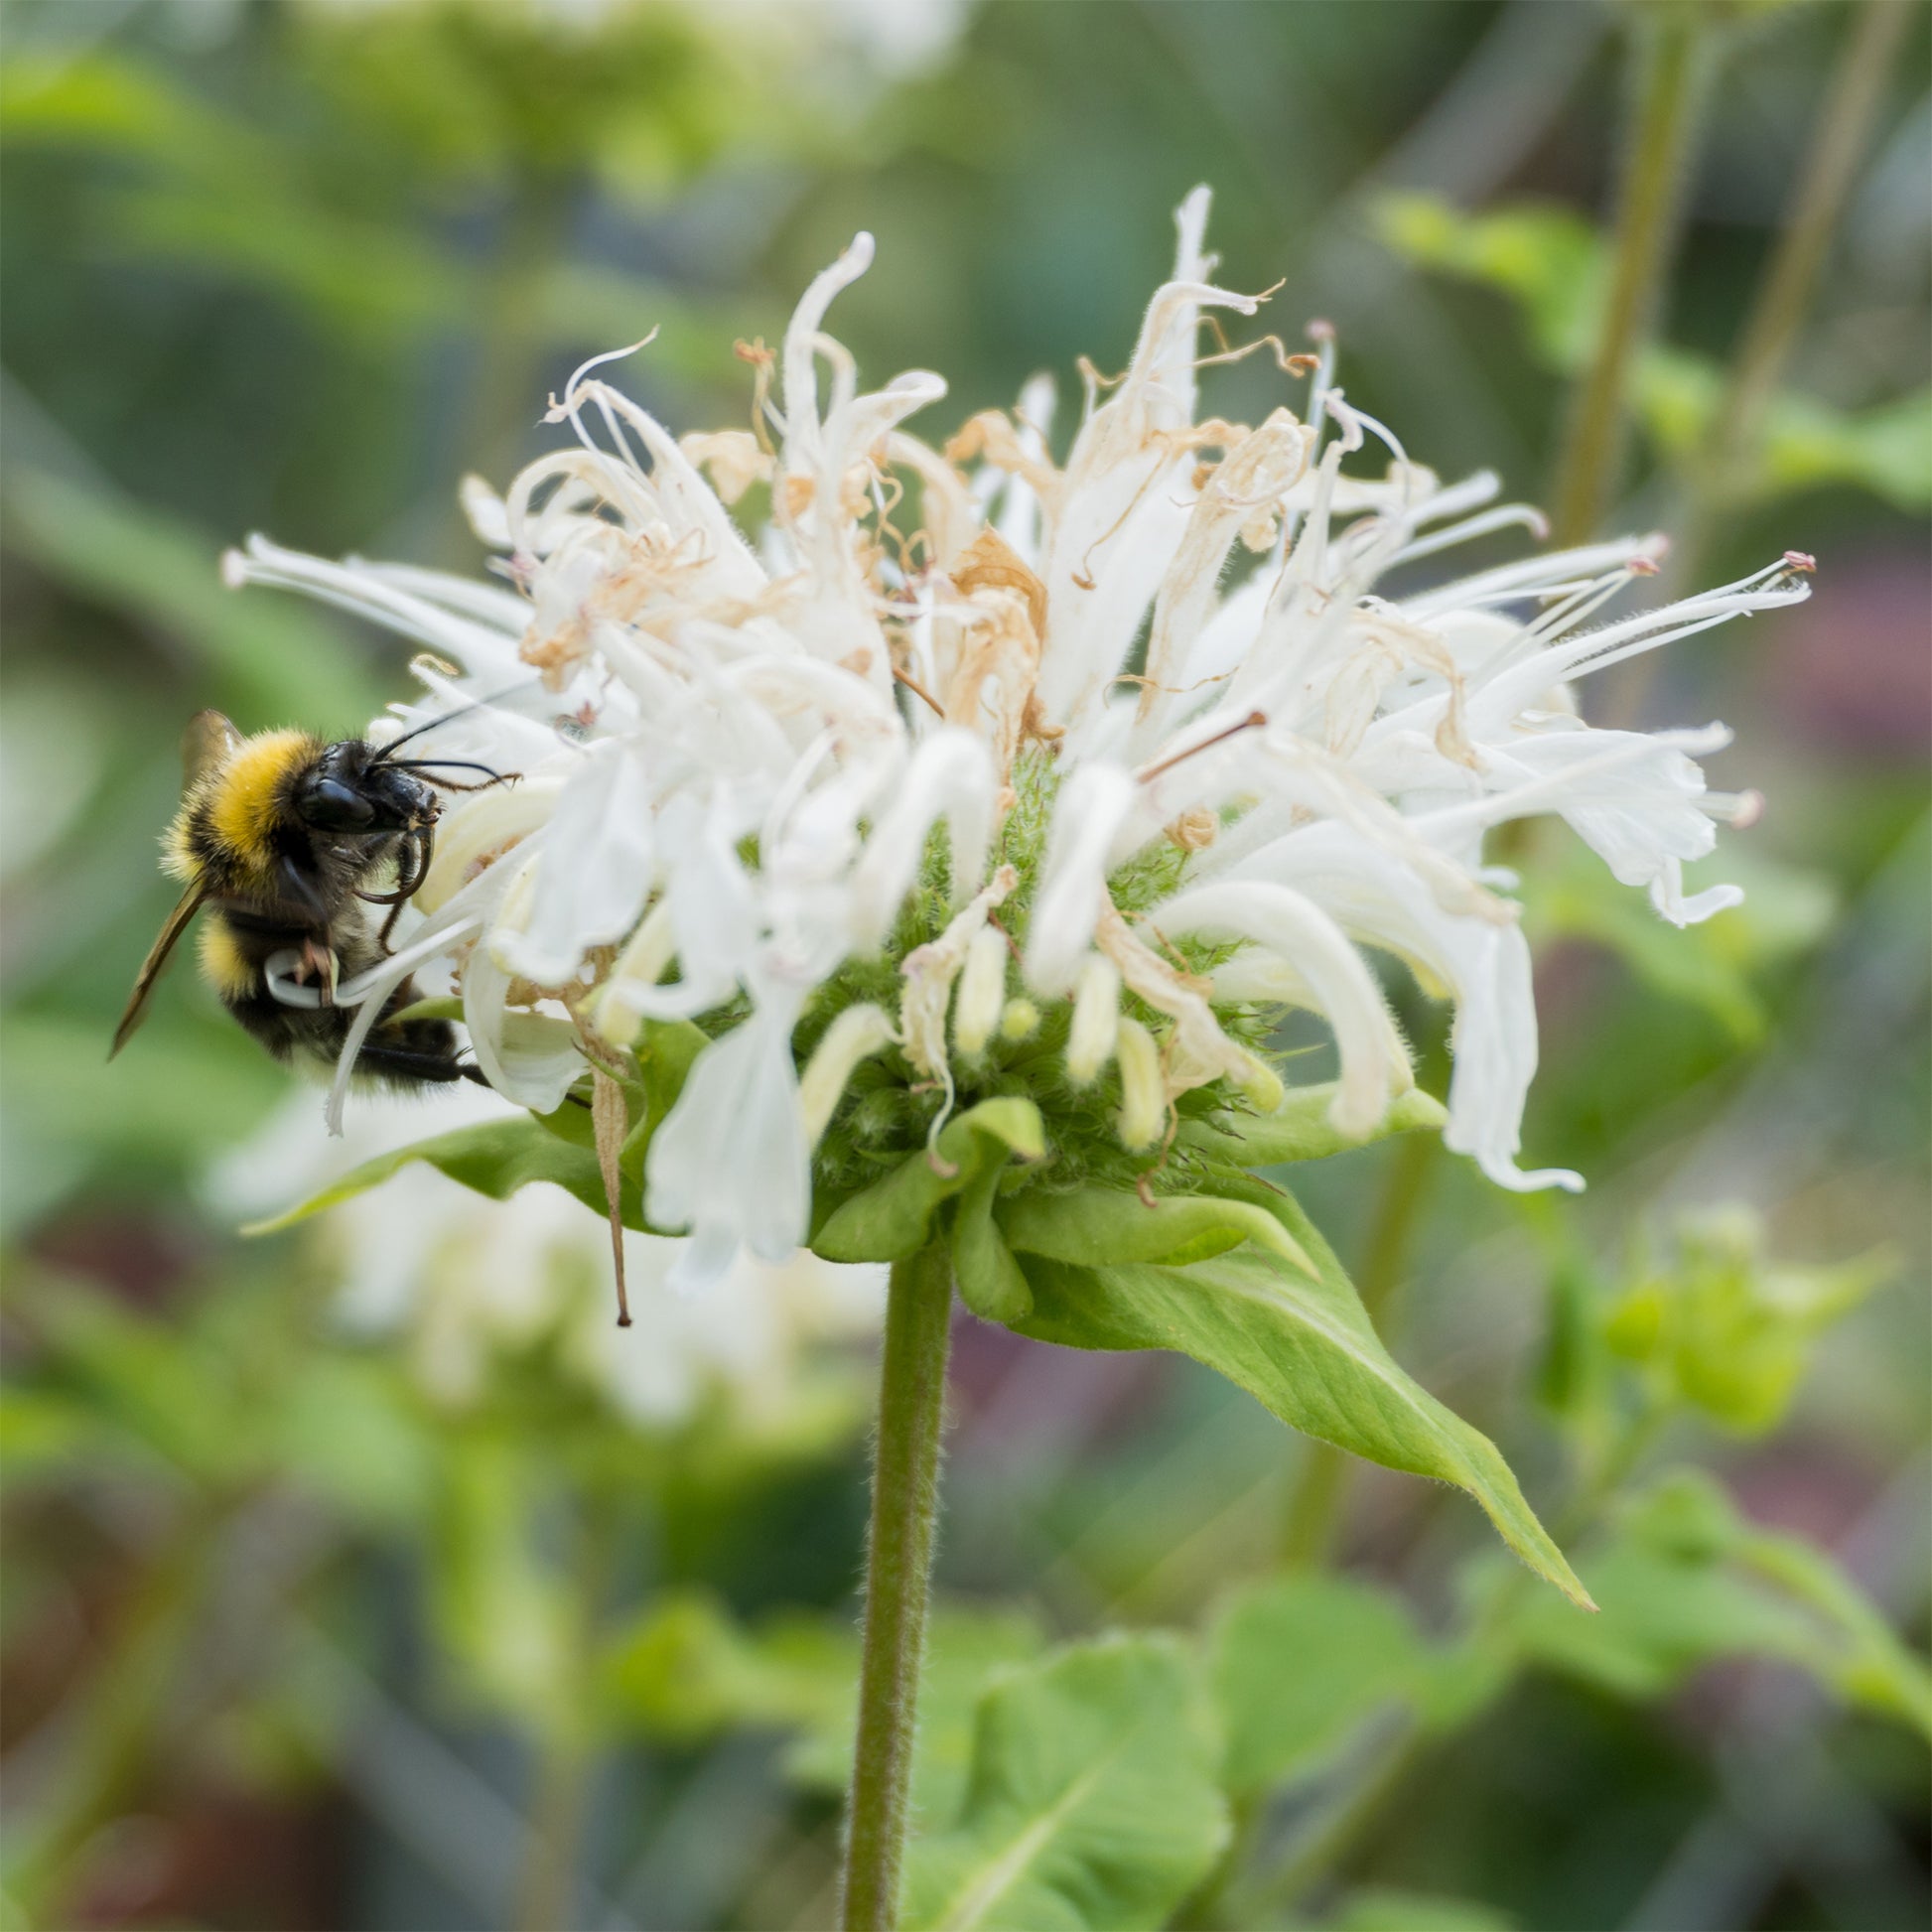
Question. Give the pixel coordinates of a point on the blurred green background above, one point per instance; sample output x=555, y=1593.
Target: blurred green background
x=304, y=1626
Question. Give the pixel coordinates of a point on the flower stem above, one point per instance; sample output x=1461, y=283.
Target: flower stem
x=899, y=1569
x=1670, y=89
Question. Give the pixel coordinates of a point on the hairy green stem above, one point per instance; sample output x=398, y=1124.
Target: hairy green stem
x=1308, y=1528
x=899, y=1571
x=1671, y=41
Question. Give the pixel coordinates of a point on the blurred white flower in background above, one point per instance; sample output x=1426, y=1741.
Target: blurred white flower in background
x=1194, y=764
x=464, y=1275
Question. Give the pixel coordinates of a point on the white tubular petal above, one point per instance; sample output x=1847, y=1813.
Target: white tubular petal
x=1532, y=575
x=929, y=971
x=1667, y=896
x=801, y=350
x=731, y=1162
x=1142, y=1096
x=1485, y=964
x=639, y=968
x=855, y=1035
x=490, y=602
x=595, y=869
x=687, y=500
x=951, y=776
x=481, y=649
x=1097, y=1015
x=1073, y=890
x=484, y=510
x=529, y=1058
x=981, y=995
x=1250, y=476
x=1292, y=925
x=1582, y=653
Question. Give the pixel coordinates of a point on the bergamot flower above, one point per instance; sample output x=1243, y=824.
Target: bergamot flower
x=959, y=773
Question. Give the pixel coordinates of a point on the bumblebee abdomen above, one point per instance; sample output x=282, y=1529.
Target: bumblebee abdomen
x=226, y=963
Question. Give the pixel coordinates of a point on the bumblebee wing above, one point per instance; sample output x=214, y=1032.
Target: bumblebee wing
x=144, y=980
x=209, y=741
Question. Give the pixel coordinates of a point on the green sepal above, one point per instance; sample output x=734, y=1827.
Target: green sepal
x=493, y=1157
x=1299, y=1129
x=990, y=1280
x=497, y=1157
x=893, y=1218
x=1100, y=1227
x=1303, y=1346
x=444, y=1007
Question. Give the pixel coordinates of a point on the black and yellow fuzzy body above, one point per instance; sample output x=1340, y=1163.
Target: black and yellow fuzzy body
x=281, y=841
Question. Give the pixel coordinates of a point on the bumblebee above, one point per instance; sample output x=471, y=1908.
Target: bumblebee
x=281, y=841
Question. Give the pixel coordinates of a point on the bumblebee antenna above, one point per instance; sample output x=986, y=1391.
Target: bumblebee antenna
x=424, y=768
x=385, y=755
x=456, y=765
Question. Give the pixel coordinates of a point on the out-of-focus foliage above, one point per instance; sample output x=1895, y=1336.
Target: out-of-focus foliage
x=299, y=1631
x=1721, y=1328
x=1554, y=266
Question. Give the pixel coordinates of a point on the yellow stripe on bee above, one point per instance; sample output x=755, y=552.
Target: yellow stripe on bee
x=222, y=961
x=242, y=796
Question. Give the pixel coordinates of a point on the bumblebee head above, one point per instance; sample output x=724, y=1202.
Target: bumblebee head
x=350, y=788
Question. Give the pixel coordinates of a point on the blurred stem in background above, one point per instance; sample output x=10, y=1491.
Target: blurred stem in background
x=1326, y=1849
x=1671, y=61
x=566, y=1758
x=898, y=1573
x=127, y=1703
x=1838, y=144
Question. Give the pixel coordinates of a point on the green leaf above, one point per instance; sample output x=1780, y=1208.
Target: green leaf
x=494, y=1157
x=892, y=1219
x=688, y=1673
x=1300, y=1344
x=1297, y=1664
x=1300, y=1130
x=1091, y=1803
x=269, y=659
x=965, y=1648
x=990, y=1280
x=1547, y=259
x=1110, y=1226
x=1684, y=1580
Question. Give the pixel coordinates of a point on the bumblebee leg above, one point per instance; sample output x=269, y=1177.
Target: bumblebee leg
x=406, y=1066
x=319, y=965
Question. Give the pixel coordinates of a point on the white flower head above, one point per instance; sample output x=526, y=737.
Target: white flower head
x=828, y=787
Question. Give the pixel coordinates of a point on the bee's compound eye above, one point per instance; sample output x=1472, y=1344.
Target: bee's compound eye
x=331, y=806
